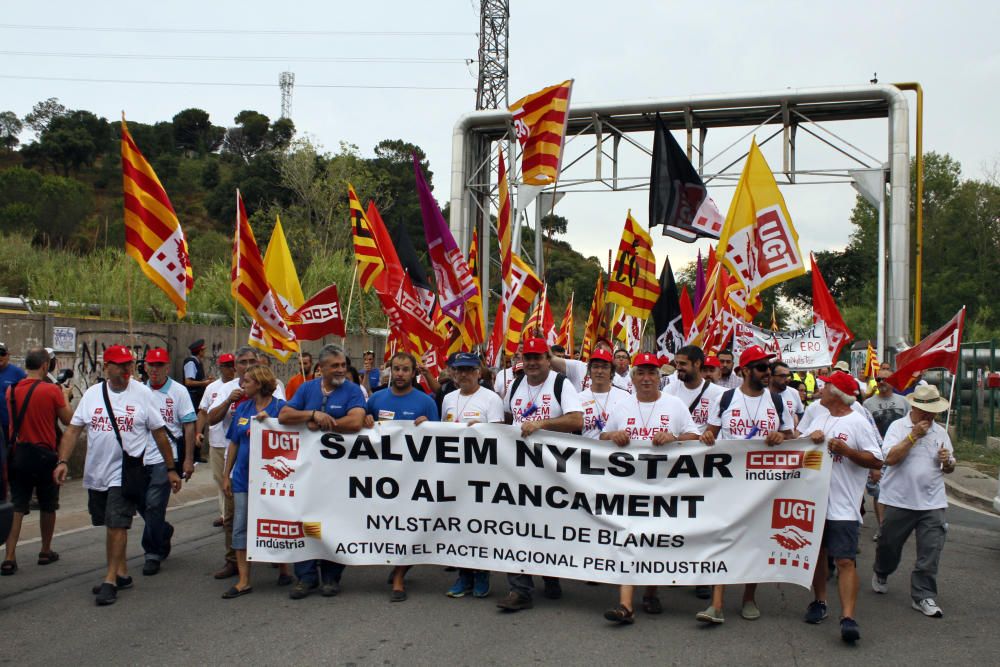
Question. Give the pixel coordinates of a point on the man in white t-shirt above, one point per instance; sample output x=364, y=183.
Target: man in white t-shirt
x=174, y=403
x=542, y=399
x=623, y=377
x=698, y=394
x=855, y=449
x=601, y=397
x=217, y=432
x=918, y=453
x=747, y=412
x=647, y=416
x=505, y=376
x=470, y=404
x=138, y=422
x=576, y=370
x=780, y=376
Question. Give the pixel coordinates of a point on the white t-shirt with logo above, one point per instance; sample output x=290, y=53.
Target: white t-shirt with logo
x=484, y=406
x=540, y=402
x=644, y=420
x=176, y=409
x=504, y=379
x=847, y=481
x=576, y=372
x=216, y=432
x=707, y=404
x=749, y=417
x=793, y=402
x=622, y=381
x=916, y=482
x=137, y=418
x=598, y=407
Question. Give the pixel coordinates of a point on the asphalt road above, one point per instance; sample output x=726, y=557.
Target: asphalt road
x=47, y=615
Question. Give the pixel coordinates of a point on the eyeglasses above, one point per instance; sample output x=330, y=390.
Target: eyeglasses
x=782, y=376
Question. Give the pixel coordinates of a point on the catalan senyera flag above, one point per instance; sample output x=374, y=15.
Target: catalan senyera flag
x=153, y=235
x=633, y=283
x=473, y=329
x=250, y=285
x=541, y=323
x=495, y=346
x=758, y=243
x=565, y=337
x=503, y=222
x=522, y=290
x=279, y=269
x=871, y=362
x=594, y=320
x=370, y=263
x=540, y=125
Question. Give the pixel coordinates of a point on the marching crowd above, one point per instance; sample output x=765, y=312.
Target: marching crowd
x=145, y=437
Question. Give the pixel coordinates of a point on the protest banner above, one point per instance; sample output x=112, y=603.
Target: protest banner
x=800, y=348
x=554, y=504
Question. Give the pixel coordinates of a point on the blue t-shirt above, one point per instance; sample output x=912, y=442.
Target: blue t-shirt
x=385, y=406
x=239, y=432
x=341, y=400
x=374, y=378
x=9, y=376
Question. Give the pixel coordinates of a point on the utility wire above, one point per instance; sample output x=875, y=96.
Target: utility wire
x=226, y=83
x=235, y=31
x=312, y=59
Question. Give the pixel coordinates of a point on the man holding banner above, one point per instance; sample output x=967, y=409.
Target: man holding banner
x=650, y=416
x=328, y=403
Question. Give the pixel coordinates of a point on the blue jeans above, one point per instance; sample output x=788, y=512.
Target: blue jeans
x=153, y=509
x=312, y=572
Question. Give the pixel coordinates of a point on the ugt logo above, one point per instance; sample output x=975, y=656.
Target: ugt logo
x=279, y=449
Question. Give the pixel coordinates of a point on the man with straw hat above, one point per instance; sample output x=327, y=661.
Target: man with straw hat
x=918, y=453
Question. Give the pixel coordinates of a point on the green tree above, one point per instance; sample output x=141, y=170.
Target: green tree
x=193, y=131
x=553, y=224
x=10, y=128
x=42, y=114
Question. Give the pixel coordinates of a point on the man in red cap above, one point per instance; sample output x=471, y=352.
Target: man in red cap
x=855, y=449
x=217, y=432
x=748, y=412
x=119, y=416
x=711, y=369
x=649, y=416
x=174, y=404
x=599, y=400
x=542, y=399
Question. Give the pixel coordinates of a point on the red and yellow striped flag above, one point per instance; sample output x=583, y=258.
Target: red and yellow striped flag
x=153, y=235
x=473, y=330
x=633, y=284
x=565, y=337
x=503, y=222
x=370, y=263
x=592, y=330
x=250, y=286
x=540, y=125
x=523, y=289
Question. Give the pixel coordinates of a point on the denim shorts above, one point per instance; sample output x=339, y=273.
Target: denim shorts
x=110, y=508
x=840, y=538
x=240, y=506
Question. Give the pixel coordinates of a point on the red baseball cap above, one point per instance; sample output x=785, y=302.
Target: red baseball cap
x=118, y=354
x=664, y=359
x=535, y=346
x=227, y=359
x=157, y=356
x=842, y=381
x=600, y=355
x=711, y=362
x=646, y=359
x=753, y=354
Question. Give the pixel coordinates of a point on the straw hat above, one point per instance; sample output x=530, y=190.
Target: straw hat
x=926, y=397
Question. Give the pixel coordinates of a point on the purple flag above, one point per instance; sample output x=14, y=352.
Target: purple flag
x=451, y=272
x=699, y=282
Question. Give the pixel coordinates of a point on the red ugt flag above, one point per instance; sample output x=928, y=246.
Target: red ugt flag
x=938, y=350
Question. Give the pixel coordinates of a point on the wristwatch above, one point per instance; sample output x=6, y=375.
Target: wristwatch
x=62, y=462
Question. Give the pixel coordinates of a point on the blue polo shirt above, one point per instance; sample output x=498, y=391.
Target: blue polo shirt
x=9, y=376
x=239, y=433
x=337, y=404
x=386, y=406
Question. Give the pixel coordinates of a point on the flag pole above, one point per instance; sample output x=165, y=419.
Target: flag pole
x=951, y=395
x=236, y=322
x=128, y=292
x=350, y=298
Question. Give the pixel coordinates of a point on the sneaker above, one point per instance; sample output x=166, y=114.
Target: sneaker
x=514, y=601
x=150, y=568
x=849, y=630
x=120, y=583
x=816, y=612
x=329, y=589
x=876, y=536
x=169, y=547
x=703, y=592
x=460, y=588
x=228, y=570
x=553, y=590
x=928, y=607
x=397, y=596
x=651, y=605
x=108, y=594
x=711, y=615
x=301, y=590
x=750, y=610
x=880, y=584
x=621, y=615
x=481, y=584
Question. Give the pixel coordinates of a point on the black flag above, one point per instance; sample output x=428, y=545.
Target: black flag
x=676, y=191
x=667, y=314
x=411, y=264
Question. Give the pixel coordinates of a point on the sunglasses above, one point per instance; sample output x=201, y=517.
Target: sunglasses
x=760, y=368
x=3, y=353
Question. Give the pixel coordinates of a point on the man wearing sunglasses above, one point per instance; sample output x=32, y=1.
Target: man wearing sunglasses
x=781, y=374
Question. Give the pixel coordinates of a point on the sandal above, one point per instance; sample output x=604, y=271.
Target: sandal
x=620, y=614
x=8, y=567
x=47, y=557
x=236, y=592
x=652, y=605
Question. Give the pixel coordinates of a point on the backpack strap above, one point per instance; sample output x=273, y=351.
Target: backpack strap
x=18, y=417
x=512, y=391
x=779, y=406
x=697, y=399
x=560, y=380
x=725, y=400
x=111, y=414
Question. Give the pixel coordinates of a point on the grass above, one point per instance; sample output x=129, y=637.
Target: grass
x=978, y=456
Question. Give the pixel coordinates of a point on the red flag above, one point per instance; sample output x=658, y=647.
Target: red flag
x=938, y=350
x=319, y=316
x=566, y=329
x=687, y=311
x=494, y=350
x=825, y=309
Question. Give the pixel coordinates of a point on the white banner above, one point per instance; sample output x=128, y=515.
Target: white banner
x=800, y=349
x=562, y=505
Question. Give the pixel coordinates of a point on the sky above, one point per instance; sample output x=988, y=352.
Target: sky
x=410, y=61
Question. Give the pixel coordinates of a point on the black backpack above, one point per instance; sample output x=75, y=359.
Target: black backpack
x=560, y=380
x=727, y=398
